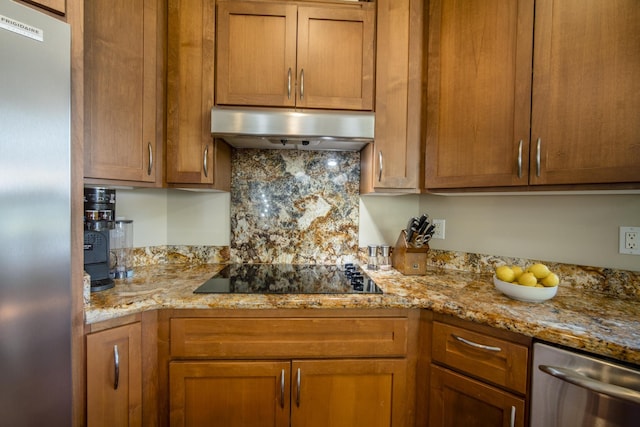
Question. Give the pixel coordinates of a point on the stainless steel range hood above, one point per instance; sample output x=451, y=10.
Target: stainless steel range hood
x=288, y=129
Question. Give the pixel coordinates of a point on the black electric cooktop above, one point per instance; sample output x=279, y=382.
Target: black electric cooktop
x=289, y=279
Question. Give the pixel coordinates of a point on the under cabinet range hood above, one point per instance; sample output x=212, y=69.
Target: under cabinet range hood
x=288, y=129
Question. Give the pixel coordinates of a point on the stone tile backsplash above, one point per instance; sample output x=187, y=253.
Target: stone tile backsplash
x=298, y=207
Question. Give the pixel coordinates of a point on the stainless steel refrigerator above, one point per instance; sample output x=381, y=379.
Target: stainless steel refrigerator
x=35, y=219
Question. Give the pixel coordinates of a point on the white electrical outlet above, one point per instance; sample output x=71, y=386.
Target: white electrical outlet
x=630, y=240
x=438, y=232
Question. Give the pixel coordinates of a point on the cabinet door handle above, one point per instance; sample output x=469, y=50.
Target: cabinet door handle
x=298, y=388
x=150, y=168
x=520, y=159
x=116, y=366
x=282, y=389
x=512, y=423
x=205, y=161
x=380, y=166
x=289, y=84
x=538, y=158
x=476, y=345
x=302, y=84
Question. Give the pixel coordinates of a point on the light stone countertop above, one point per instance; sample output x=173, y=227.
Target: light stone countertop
x=575, y=317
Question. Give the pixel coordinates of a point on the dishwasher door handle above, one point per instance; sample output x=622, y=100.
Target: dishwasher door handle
x=574, y=377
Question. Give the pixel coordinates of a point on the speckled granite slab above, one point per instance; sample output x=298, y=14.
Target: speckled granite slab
x=596, y=309
x=294, y=207
x=612, y=282
x=574, y=317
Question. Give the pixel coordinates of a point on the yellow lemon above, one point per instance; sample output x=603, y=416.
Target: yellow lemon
x=551, y=280
x=528, y=279
x=539, y=270
x=517, y=270
x=505, y=273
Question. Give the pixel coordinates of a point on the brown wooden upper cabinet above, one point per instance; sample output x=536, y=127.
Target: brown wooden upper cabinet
x=123, y=87
x=57, y=6
x=393, y=163
x=494, y=120
x=194, y=158
x=286, y=54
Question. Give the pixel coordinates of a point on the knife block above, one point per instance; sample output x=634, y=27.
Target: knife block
x=407, y=259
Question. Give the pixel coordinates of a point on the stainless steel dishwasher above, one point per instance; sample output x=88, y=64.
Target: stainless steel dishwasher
x=571, y=389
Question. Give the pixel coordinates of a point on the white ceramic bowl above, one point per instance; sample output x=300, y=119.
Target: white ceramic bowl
x=524, y=293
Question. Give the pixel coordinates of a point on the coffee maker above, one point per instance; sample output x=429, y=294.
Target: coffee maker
x=99, y=214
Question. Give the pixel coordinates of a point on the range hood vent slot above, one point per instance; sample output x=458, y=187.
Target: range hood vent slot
x=286, y=129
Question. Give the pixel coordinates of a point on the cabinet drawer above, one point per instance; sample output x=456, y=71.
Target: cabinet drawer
x=493, y=359
x=288, y=337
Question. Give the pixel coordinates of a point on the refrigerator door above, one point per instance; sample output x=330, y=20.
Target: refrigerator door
x=35, y=225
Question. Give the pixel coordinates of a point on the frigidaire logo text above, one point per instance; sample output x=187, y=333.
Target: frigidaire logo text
x=19, y=25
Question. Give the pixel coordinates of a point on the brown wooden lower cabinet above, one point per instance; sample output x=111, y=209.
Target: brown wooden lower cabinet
x=230, y=394
x=114, y=377
x=479, y=375
x=298, y=393
x=457, y=400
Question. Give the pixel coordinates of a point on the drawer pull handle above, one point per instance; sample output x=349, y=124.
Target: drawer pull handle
x=282, y=389
x=298, y=389
x=476, y=345
x=289, y=84
x=116, y=367
x=380, y=166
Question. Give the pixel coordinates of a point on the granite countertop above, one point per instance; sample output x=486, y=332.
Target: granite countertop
x=576, y=318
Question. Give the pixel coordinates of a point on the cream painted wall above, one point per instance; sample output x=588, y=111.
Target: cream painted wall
x=383, y=217
x=574, y=229
x=198, y=218
x=175, y=217
x=148, y=210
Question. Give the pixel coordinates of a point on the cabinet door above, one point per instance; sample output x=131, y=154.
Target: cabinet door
x=256, y=53
x=193, y=157
x=335, y=57
x=120, y=90
x=114, y=377
x=456, y=400
x=479, y=93
x=347, y=393
x=229, y=394
x=393, y=162
x=586, y=92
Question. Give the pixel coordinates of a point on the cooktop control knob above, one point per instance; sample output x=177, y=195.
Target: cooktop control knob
x=357, y=281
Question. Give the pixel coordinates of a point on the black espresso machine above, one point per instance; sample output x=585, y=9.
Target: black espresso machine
x=99, y=215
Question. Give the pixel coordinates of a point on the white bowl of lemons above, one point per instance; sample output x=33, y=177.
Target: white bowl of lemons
x=536, y=283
